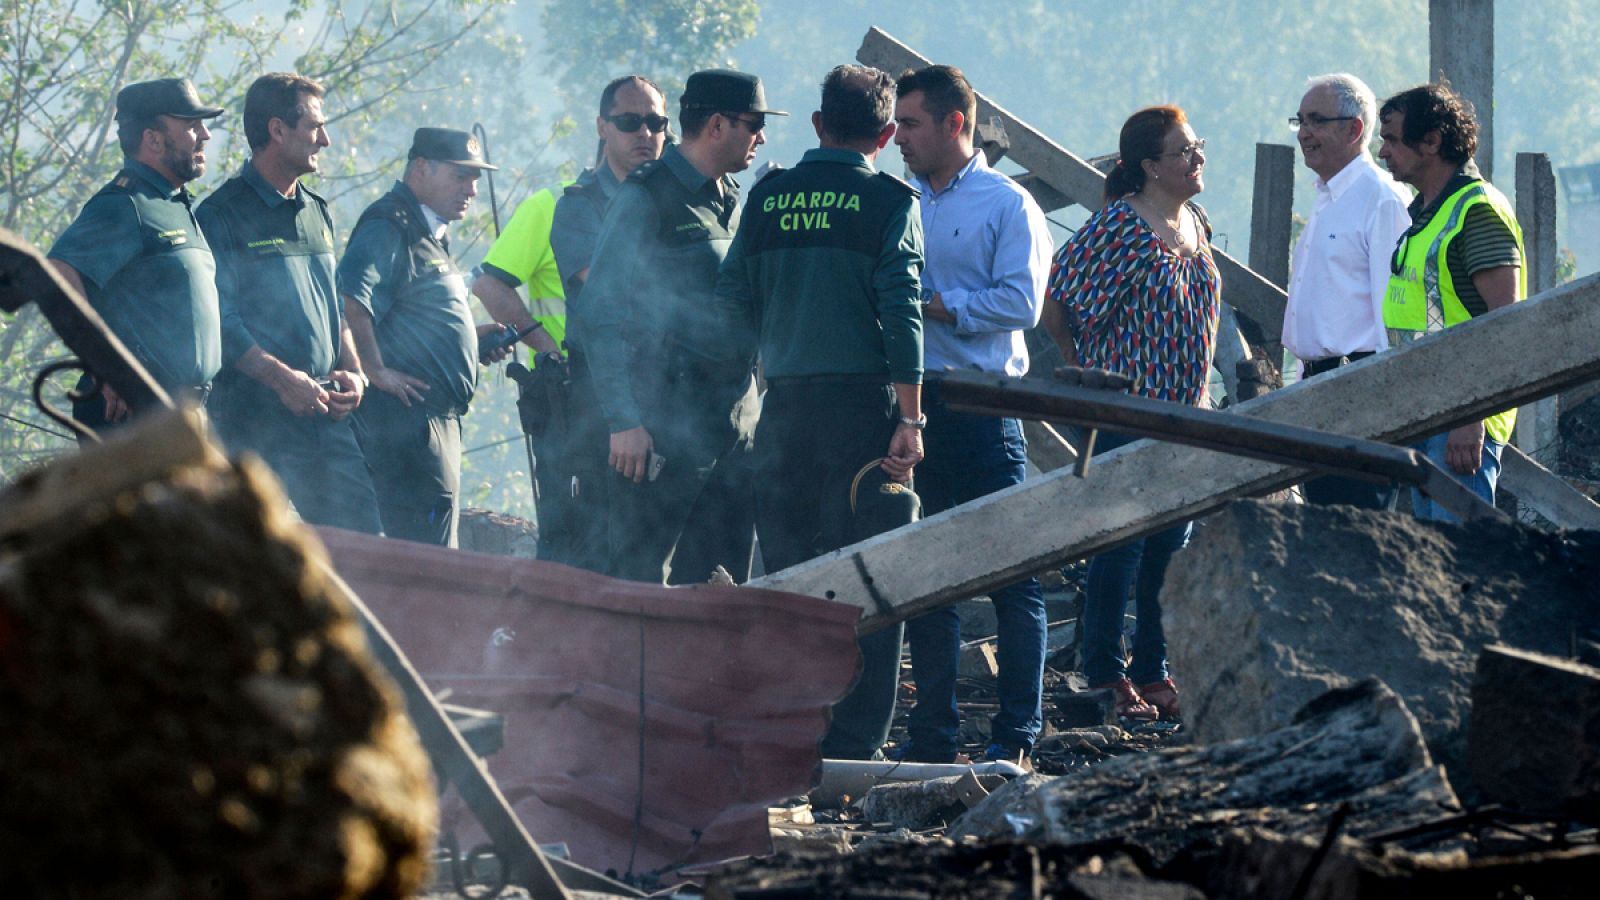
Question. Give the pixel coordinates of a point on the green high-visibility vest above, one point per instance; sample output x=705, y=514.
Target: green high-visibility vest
x=1422, y=294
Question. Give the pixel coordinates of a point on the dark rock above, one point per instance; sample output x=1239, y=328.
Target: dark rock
x=1534, y=738
x=1276, y=603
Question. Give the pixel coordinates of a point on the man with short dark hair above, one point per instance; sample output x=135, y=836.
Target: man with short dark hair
x=675, y=405
x=291, y=376
x=407, y=303
x=1341, y=262
x=988, y=258
x=137, y=253
x=828, y=293
x=1461, y=258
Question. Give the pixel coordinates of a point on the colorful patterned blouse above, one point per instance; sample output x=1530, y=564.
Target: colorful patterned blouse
x=1137, y=308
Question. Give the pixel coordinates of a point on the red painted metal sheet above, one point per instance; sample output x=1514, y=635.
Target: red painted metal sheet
x=736, y=682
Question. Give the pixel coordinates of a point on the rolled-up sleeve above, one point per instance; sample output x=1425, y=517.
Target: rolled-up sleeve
x=103, y=239
x=1018, y=273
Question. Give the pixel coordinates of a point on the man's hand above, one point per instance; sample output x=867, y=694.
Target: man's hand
x=489, y=332
x=1463, y=450
x=344, y=401
x=937, y=310
x=630, y=452
x=905, y=451
x=116, y=407
x=299, y=393
x=398, y=384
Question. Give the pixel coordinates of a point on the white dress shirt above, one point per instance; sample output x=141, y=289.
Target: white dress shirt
x=1341, y=264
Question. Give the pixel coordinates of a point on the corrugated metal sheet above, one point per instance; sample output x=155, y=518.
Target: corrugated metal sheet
x=736, y=685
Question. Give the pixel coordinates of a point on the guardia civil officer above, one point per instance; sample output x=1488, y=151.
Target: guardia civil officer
x=407, y=304
x=825, y=270
x=291, y=376
x=137, y=253
x=671, y=397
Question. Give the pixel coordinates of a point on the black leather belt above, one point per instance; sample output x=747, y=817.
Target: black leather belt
x=1318, y=366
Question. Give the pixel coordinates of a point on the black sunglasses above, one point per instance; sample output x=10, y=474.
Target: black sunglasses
x=627, y=123
x=756, y=124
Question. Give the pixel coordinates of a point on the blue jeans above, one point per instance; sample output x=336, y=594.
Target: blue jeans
x=1141, y=565
x=968, y=457
x=1481, y=482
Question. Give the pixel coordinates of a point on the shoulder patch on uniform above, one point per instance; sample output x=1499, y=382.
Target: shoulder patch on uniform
x=900, y=183
x=122, y=181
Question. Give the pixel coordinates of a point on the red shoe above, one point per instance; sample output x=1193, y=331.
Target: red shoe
x=1129, y=704
x=1163, y=695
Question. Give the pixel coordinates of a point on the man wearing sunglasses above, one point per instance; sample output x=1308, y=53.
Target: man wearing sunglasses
x=1341, y=262
x=545, y=249
x=676, y=405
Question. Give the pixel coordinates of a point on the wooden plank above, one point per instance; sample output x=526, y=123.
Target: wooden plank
x=1518, y=354
x=1078, y=181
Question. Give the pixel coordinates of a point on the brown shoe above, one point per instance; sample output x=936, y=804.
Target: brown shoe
x=1129, y=704
x=1163, y=695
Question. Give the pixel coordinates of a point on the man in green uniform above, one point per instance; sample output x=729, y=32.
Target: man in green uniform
x=547, y=246
x=673, y=401
x=1461, y=258
x=407, y=304
x=824, y=272
x=138, y=255
x=291, y=377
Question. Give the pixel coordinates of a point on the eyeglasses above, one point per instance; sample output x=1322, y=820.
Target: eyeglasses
x=1313, y=120
x=1188, y=150
x=757, y=124
x=628, y=123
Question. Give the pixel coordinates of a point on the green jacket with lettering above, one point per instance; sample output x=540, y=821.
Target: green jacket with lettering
x=825, y=271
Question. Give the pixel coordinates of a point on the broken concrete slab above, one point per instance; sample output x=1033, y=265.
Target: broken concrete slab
x=1273, y=604
x=1357, y=746
x=189, y=706
x=1533, y=741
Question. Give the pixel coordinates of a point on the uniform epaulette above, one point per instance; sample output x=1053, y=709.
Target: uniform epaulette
x=645, y=170
x=900, y=183
x=122, y=181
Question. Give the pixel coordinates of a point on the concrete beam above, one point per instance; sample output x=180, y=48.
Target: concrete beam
x=1461, y=50
x=1538, y=424
x=1078, y=181
x=1397, y=396
x=1544, y=492
x=1272, y=213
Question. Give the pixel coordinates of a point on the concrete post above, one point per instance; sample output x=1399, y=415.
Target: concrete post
x=1538, y=424
x=1271, y=215
x=1461, y=49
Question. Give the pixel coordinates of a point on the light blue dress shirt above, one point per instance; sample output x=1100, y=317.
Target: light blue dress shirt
x=988, y=250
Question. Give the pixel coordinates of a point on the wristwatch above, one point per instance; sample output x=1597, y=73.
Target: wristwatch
x=919, y=423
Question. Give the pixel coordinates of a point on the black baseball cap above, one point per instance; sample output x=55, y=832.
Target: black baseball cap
x=176, y=97
x=448, y=145
x=727, y=91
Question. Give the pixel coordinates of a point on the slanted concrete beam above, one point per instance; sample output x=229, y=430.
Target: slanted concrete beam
x=1080, y=182
x=1506, y=358
x=1545, y=492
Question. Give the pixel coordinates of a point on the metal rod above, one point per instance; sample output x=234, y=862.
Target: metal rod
x=1039, y=398
x=488, y=174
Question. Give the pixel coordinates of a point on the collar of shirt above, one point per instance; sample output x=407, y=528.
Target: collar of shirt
x=1464, y=176
x=976, y=164
x=269, y=194
x=1349, y=175
x=833, y=155
x=158, y=182
x=679, y=165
